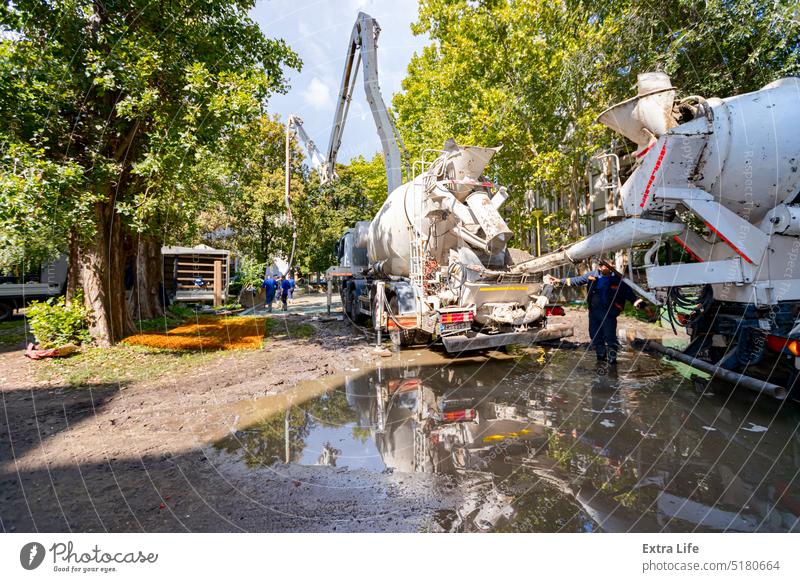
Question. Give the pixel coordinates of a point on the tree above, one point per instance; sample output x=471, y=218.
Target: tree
x=252, y=211
x=532, y=75
x=329, y=210
x=113, y=115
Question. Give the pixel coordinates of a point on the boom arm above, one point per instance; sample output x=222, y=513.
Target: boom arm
x=362, y=49
x=317, y=159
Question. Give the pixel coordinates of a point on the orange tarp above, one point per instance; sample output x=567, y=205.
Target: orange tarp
x=207, y=333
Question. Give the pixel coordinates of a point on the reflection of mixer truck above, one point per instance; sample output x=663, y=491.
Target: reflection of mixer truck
x=418, y=431
x=434, y=263
x=721, y=178
x=482, y=441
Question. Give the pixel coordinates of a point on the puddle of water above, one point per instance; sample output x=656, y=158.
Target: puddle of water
x=558, y=447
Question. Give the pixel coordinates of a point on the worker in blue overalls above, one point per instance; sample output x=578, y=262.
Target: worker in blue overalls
x=606, y=297
x=270, y=285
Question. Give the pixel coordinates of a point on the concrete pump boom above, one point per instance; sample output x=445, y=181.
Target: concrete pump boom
x=362, y=49
x=317, y=159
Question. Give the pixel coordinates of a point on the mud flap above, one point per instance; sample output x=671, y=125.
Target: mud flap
x=484, y=341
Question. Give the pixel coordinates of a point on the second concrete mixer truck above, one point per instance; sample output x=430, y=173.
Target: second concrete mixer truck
x=433, y=264
x=720, y=178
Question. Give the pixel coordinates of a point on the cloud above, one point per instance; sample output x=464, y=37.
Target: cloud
x=318, y=95
x=319, y=30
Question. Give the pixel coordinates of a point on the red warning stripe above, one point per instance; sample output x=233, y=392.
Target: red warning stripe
x=642, y=153
x=653, y=174
x=729, y=243
x=688, y=250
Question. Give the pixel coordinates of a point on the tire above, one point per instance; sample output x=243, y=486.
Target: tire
x=6, y=311
x=355, y=315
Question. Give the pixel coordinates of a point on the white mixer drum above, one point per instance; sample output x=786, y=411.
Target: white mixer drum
x=752, y=161
x=388, y=243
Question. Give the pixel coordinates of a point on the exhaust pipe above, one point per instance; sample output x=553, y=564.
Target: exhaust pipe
x=754, y=384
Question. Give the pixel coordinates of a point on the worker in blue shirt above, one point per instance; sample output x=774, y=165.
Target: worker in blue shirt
x=270, y=285
x=293, y=284
x=286, y=287
x=606, y=297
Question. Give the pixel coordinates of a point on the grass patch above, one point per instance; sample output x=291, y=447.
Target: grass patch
x=12, y=333
x=135, y=361
x=164, y=324
x=286, y=329
x=121, y=364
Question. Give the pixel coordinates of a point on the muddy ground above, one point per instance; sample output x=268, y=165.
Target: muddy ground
x=139, y=456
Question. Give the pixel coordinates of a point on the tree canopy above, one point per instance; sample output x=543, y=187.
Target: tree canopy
x=532, y=75
x=113, y=117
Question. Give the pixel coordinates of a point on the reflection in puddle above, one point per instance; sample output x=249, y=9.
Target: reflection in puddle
x=553, y=448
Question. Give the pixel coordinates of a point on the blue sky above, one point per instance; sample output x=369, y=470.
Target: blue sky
x=319, y=30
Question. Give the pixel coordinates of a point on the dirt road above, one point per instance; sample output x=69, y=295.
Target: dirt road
x=139, y=456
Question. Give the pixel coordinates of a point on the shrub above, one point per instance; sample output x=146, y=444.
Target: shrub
x=251, y=273
x=54, y=323
x=179, y=311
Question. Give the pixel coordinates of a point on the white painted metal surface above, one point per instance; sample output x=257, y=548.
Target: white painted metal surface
x=362, y=49
x=736, y=168
x=622, y=235
x=432, y=207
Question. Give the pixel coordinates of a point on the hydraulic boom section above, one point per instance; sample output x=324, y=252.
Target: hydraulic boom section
x=317, y=159
x=362, y=49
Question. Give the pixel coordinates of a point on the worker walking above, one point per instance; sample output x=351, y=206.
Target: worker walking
x=270, y=285
x=286, y=287
x=291, y=289
x=606, y=297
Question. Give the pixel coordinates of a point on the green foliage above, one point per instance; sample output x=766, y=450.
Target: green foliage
x=134, y=95
x=532, y=76
x=163, y=324
x=251, y=273
x=116, y=118
x=252, y=209
x=180, y=312
x=368, y=176
x=54, y=323
x=556, y=229
x=329, y=210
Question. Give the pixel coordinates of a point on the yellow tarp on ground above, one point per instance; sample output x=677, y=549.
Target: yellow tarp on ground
x=207, y=333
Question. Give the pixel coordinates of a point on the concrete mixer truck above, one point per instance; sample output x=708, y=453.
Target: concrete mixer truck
x=721, y=178
x=433, y=264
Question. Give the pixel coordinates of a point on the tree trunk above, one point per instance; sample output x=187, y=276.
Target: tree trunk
x=149, y=276
x=102, y=265
x=73, y=269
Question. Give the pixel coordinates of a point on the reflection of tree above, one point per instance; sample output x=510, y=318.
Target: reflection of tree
x=264, y=443
x=615, y=477
x=362, y=433
x=542, y=508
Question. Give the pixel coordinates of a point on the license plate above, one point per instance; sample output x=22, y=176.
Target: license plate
x=451, y=327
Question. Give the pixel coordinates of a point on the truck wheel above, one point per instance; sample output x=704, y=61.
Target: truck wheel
x=357, y=317
x=6, y=311
x=401, y=338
